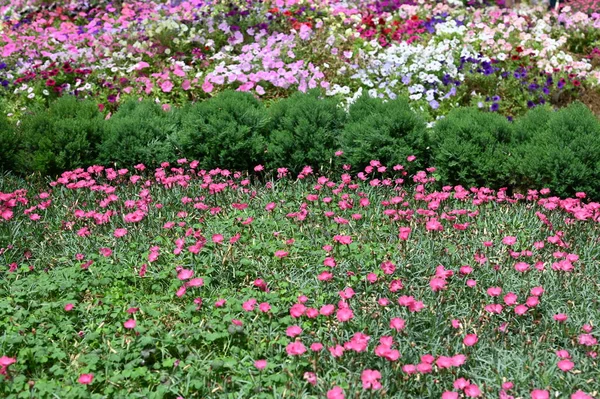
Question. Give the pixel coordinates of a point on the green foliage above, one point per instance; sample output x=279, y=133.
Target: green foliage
x=9, y=143
x=472, y=148
x=62, y=137
x=303, y=130
x=562, y=152
x=139, y=132
x=227, y=131
x=386, y=131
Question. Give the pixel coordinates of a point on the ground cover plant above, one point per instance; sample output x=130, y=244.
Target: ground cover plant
x=442, y=54
x=180, y=282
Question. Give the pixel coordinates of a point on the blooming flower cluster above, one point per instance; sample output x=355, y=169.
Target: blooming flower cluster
x=177, y=51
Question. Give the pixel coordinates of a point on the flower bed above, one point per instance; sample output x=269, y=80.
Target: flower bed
x=442, y=54
x=182, y=282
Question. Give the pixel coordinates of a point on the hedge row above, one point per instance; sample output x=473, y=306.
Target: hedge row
x=545, y=148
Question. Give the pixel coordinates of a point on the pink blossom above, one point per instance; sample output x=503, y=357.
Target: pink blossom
x=565, y=365
x=370, y=379
x=260, y=364
x=295, y=348
x=86, y=379
x=470, y=339
x=130, y=324
x=344, y=314
x=540, y=394
x=293, y=331
x=472, y=391
x=335, y=393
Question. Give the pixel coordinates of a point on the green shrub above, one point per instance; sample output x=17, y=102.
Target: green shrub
x=472, y=148
x=563, y=152
x=303, y=130
x=139, y=132
x=9, y=143
x=62, y=137
x=386, y=131
x=226, y=131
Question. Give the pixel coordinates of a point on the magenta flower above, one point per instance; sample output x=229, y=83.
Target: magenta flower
x=540, y=394
x=86, y=379
x=370, y=379
x=260, y=364
x=470, y=339
x=335, y=393
x=295, y=348
x=130, y=324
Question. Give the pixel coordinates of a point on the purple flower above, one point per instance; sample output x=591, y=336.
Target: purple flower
x=494, y=107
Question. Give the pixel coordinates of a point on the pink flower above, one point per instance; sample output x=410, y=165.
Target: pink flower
x=565, y=365
x=264, y=307
x=404, y=233
x=494, y=291
x=470, y=339
x=260, y=364
x=106, y=252
x=521, y=309
x=344, y=314
x=561, y=317
x=130, y=324
x=335, y=393
x=370, y=379
x=281, y=254
x=540, y=394
x=185, y=274
x=397, y=324
x=120, y=233
x=458, y=360
x=411, y=158
x=68, y=307
x=86, y=379
x=195, y=282
x=297, y=310
x=220, y=303
x=316, y=346
x=336, y=351
x=295, y=348
x=249, y=305
x=437, y=284
x=509, y=240
x=581, y=395
x=293, y=331
x=510, y=299
x=472, y=391
x=311, y=378
x=450, y=395
x=327, y=310
x=6, y=361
